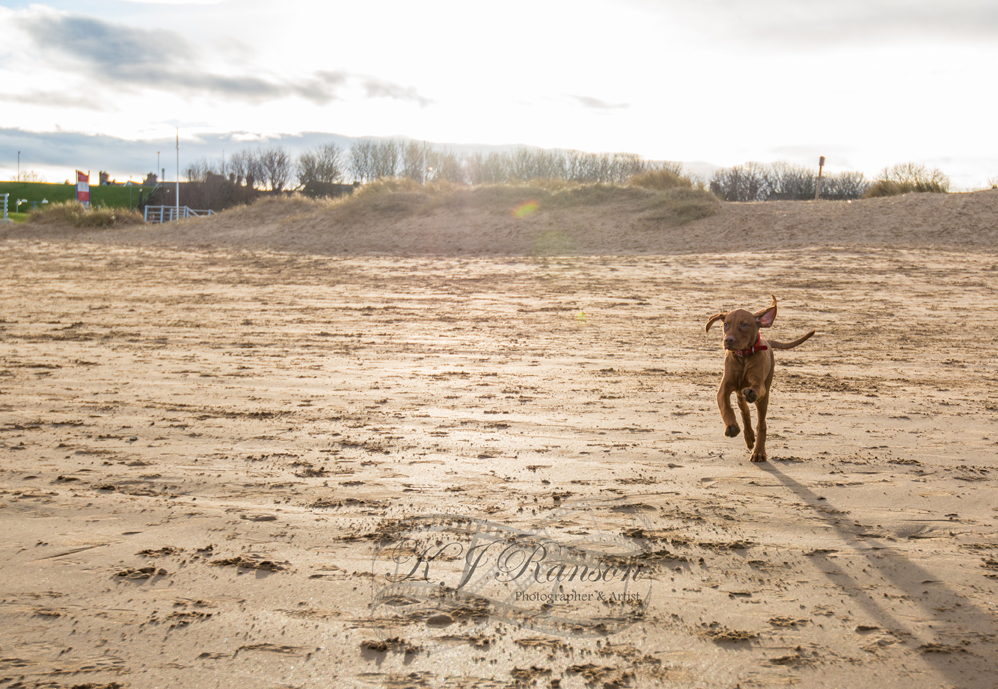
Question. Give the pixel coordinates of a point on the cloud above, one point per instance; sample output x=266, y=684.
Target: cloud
x=377, y=88
x=176, y=2
x=858, y=21
x=597, y=104
x=59, y=153
x=52, y=100
x=131, y=58
x=825, y=23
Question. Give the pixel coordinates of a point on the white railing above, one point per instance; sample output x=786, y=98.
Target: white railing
x=4, y=207
x=161, y=214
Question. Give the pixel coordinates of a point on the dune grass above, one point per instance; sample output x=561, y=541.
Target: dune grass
x=77, y=215
x=660, y=180
x=659, y=196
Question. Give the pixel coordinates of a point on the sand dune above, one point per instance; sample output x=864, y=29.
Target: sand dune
x=941, y=221
x=231, y=453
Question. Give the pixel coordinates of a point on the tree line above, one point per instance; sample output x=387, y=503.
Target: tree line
x=783, y=181
x=314, y=170
x=376, y=159
x=272, y=168
x=275, y=169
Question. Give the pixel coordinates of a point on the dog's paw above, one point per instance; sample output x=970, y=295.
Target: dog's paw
x=749, y=395
x=759, y=456
x=749, y=438
x=732, y=430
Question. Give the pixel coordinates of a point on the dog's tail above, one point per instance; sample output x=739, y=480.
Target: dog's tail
x=789, y=345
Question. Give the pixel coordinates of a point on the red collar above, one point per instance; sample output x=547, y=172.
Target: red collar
x=757, y=347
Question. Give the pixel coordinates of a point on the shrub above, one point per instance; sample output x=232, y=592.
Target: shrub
x=78, y=215
x=781, y=181
x=845, y=185
x=789, y=182
x=741, y=183
x=908, y=177
x=680, y=205
x=660, y=180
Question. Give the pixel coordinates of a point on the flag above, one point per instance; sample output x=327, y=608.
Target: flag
x=83, y=187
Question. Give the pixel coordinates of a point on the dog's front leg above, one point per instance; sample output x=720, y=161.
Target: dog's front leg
x=756, y=373
x=727, y=413
x=754, y=392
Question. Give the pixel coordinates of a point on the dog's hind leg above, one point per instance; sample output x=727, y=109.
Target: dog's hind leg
x=746, y=420
x=759, y=452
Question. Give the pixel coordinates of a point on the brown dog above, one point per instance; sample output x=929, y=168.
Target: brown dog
x=748, y=371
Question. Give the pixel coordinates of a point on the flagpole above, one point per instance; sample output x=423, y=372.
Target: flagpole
x=177, y=195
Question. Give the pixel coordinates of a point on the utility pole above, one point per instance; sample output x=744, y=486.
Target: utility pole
x=817, y=185
x=178, y=175
x=18, y=166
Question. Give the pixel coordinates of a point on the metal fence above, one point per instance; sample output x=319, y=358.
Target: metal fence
x=161, y=214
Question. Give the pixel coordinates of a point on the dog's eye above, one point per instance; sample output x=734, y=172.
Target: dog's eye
x=743, y=326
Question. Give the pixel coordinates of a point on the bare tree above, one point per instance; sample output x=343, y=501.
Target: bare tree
x=275, y=167
x=254, y=169
x=414, y=159
x=198, y=170
x=239, y=165
x=523, y=165
x=789, y=182
x=740, y=183
x=375, y=159
x=845, y=186
x=446, y=166
x=323, y=164
x=361, y=155
x=625, y=166
x=386, y=158
x=489, y=168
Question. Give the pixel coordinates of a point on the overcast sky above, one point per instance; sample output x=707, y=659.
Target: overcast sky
x=867, y=83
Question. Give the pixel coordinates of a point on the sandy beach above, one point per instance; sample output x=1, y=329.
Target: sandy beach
x=458, y=451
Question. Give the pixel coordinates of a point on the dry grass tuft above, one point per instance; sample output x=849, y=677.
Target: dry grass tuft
x=660, y=180
x=909, y=177
x=77, y=215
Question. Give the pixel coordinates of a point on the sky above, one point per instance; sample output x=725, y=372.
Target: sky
x=110, y=84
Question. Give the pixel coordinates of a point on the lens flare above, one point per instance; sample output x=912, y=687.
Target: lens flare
x=524, y=209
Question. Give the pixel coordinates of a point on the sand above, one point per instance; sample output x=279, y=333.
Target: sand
x=216, y=453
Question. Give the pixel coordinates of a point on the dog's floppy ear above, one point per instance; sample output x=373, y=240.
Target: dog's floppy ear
x=766, y=317
x=715, y=317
